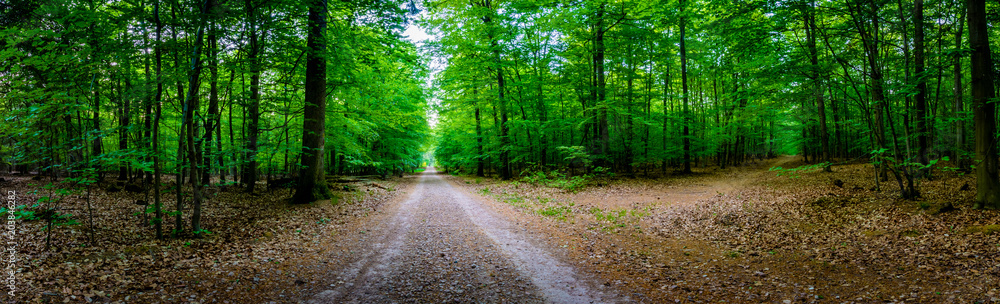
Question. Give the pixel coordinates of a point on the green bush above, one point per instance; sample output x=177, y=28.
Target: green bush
x=556, y=179
x=22, y=212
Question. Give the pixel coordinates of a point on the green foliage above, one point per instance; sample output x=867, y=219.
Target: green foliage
x=575, y=154
x=23, y=212
x=610, y=216
x=558, y=212
x=794, y=172
x=555, y=179
x=58, y=219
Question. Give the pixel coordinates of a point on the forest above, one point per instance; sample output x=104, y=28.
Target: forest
x=639, y=88
x=283, y=148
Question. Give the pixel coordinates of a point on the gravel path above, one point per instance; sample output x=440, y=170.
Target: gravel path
x=442, y=245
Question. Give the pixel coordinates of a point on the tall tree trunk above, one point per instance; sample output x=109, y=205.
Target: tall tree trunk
x=480, y=158
x=686, y=133
x=505, y=169
x=629, y=124
x=602, y=136
x=223, y=170
x=97, y=145
x=870, y=38
x=179, y=162
x=213, y=120
x=838, y=143
x=817, y=84
x=253, y=110
x=147, y=121
x=157, y=204
x=987, y=180
x=666, y=99
x=921, y=97
x=190, y=112
x=123, y=124
x=542, y=112
x=959, y=98
x=312, y=178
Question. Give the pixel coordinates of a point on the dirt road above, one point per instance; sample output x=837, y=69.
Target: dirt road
x=441, y=244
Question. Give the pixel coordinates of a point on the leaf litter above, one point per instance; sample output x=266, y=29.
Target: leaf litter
x=740, y=235
x=746, y=235
x=260, y=248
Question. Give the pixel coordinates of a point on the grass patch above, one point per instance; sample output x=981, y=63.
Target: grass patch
x=515, y=200
x=558, y=212
x=610, y=216
x=616, y=218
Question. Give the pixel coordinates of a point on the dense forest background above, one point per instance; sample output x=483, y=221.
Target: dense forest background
x=224, y=92
x=254, y=150
x=218, y=92
x=639, y=87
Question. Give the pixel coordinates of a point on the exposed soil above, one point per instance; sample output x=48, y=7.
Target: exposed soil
x=440, y=245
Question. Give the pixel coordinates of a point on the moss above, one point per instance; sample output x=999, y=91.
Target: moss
x=911, y=233
x=874, y=233
x=984, y=229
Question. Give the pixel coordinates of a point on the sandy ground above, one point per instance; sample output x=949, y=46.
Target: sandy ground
x=441, y=244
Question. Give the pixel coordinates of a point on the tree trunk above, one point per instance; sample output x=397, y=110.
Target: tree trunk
x=98, y=140
x=179, y=162
x=666, y=99
x=123, y=122
x=686, y=133
x=505, y=169
x=480, y=163
x=312, y=179
x=921, y=97
x=817, y=84
x=601, y=102
x=190, y=112
x=157, y=204
x=960, y=158
x=987, y=180
x=253, y=111
x=213, y=120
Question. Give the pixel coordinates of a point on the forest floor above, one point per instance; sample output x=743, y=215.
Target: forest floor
x=740, y=235
x=746, y=235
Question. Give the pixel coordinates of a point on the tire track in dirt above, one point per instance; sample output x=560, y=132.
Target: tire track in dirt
x=558, y=281
x=377, y=259
x=441, y=245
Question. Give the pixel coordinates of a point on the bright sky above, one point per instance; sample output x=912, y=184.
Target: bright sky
x=417, y=35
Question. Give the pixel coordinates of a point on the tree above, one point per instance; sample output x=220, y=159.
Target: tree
x=923, y=133
x=312, y=180
x=249, y=179
x=686, y=133
x=987, y=178
x=817, y=83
